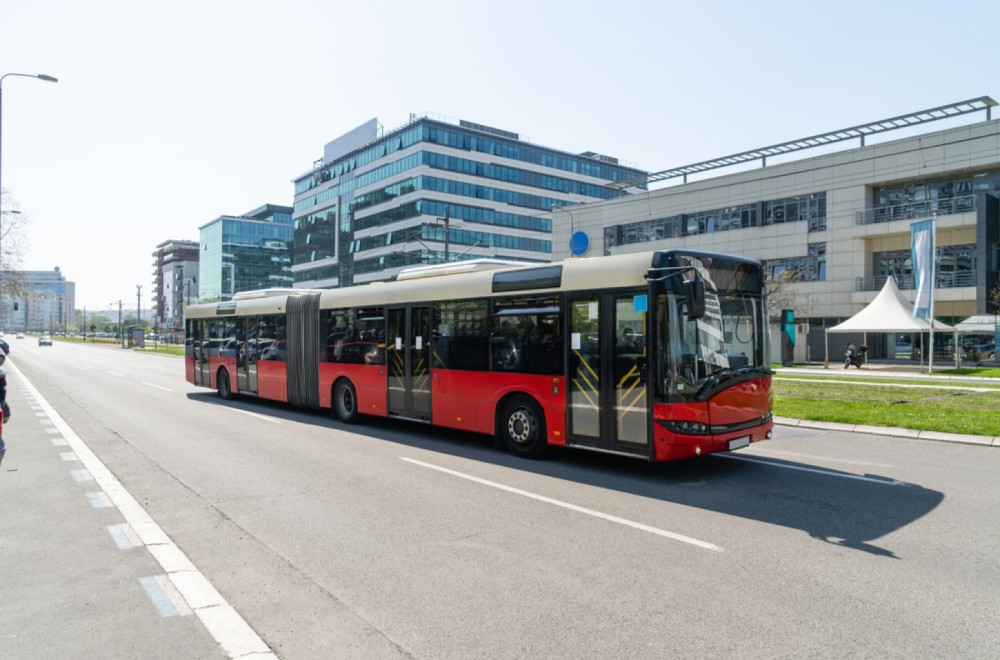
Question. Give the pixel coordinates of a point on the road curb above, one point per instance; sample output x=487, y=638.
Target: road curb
x=959, y=438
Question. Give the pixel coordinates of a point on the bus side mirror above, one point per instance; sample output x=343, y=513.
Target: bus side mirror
x=694, y=296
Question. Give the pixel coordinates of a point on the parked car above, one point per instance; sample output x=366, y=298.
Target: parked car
x=45, y=340
x=5, y=347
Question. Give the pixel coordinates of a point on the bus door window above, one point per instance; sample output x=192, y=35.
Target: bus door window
x=246, y=362
x=197, y=348
x=408, y=353
x=585, y=367
x=631, y=406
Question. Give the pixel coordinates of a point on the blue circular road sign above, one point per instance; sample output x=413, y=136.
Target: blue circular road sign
x=579, y=243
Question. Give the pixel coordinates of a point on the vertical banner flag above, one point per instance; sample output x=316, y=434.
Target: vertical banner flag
x=922, y=247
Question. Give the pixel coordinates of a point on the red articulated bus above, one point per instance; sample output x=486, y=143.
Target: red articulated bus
x=658, y=355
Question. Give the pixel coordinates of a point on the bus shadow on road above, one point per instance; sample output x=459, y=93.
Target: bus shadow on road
x=836, y=507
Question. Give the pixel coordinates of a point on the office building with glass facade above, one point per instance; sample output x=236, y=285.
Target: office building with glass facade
x=434, y=191
x=244, y=253
x=836, y=225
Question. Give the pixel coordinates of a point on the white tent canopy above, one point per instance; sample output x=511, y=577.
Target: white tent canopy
x=982, y=324
x=888, y=312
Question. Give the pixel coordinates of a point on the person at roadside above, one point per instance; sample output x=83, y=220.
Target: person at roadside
x=6, y=411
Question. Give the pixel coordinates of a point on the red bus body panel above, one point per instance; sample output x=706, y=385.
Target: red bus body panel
x=468, y=400
x=737, y=405
x=369, y=382
x=271, y=383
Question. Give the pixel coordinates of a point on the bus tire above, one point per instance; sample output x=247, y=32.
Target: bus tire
x=222, y=383
x=522, y=427
x=345, y=402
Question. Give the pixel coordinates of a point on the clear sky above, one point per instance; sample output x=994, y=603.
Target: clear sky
x=169, y=114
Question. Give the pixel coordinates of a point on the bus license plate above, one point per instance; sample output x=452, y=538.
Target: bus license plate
x=739, y=443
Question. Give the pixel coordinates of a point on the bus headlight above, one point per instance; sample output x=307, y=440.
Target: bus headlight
x=689, y=428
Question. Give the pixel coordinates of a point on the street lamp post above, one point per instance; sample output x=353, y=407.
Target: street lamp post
x=40, y=76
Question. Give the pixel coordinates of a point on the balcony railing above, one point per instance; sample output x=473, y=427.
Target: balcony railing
x=941, y=281
x=915, y=210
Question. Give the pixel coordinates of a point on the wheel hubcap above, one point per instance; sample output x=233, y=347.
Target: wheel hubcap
x=519, y=426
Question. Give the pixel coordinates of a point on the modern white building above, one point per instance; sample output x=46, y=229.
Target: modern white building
x=838, y=222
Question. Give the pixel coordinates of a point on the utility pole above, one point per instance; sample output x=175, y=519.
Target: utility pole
x=447, y=232
x=138, y=303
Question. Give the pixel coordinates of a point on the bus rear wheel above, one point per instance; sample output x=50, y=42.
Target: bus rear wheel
x=522, y=427
x=345, y=402
x=222, y=382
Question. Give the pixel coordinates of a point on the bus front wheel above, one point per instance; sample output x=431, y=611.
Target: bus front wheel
x=345, y=402
x=222, y=382
x=522, y=427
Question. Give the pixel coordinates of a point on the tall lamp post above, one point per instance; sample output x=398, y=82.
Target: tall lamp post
x=40, y=76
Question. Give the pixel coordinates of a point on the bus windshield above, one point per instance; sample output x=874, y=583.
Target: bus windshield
x=729, y=340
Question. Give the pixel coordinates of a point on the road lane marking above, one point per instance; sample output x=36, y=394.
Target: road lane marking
x=115, y=373
x=256, y=415
x=164, y=596
x=159, y=387
x=224, y=624
x=572, y=507
x=885, y=481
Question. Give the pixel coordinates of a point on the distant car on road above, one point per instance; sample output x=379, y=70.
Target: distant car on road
x=45, y=340
x=20, y=335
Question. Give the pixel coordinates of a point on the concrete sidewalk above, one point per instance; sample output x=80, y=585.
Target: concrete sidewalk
x=888, y=370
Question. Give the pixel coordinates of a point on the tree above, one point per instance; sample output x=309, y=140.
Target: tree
x=13, y=246
x=994, y=300
x=782, y=293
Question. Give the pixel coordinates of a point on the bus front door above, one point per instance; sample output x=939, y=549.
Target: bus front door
x=408, y=354
x=608, y=386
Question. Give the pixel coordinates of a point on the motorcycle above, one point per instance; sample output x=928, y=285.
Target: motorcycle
x=854, y=356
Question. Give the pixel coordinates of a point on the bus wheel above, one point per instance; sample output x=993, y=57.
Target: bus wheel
x=345, y=402
x=522, y=427
x=225, y=391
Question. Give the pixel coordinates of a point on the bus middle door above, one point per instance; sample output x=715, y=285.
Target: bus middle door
x=408, y=354
x=246, y=355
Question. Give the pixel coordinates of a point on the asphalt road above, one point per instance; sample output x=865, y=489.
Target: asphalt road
x=304, y=538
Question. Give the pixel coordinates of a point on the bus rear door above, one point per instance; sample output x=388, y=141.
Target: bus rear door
x=608, y=405
x=408, y=354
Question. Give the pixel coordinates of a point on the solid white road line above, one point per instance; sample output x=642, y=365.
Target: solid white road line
x=572, y=507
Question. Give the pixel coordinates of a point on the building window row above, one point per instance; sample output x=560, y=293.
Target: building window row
x=926, y=197
x=469, y=141
x=515, y=175
x=447, y=186
x=954, y=266
x=810, y=268
x=455, y=237
x=811, y=208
